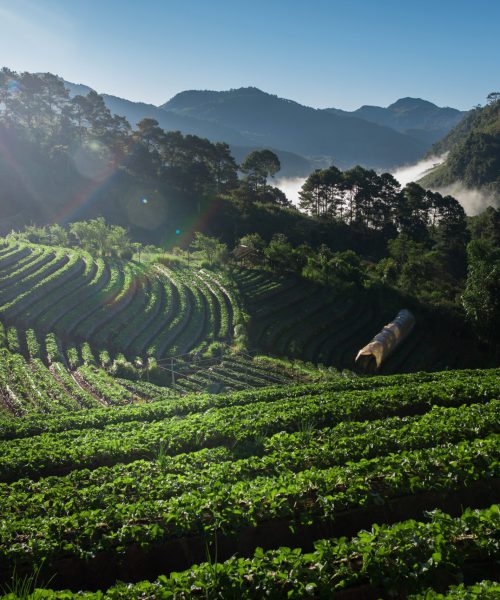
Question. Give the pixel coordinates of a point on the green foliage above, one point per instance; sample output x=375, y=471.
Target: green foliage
x=50, y=235
x=486, y=226
x=216, y=349
x=405, y=557
x=26, y=587
x=214, y=251
x=171, y=260
x=94, y=236
x=481, y=297
x=357, y=197
x=100, y=239
x=253, y=240
x=279, y=255
x=341, y=270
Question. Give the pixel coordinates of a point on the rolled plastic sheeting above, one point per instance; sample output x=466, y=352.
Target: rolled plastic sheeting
x=384, y=343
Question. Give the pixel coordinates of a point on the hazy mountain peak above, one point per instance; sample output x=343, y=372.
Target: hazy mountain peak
x=193, y=98
x=409, y=103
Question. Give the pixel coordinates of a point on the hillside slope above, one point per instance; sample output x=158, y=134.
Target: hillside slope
x=474, y=152
x=294, y=318
x=144, y=311
x=132, y=308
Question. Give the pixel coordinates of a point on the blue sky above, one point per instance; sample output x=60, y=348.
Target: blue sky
x=341, y=53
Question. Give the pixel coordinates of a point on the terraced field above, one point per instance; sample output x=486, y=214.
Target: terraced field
x=87, y=381
x=142, y=492
x=130, y=308
x=35, y=377
x=294, y=318
x=261, y=487
x=232, y=372
x=140, y=310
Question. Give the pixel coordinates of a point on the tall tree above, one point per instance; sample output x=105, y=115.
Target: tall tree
x=258, y=166
x=412, y=212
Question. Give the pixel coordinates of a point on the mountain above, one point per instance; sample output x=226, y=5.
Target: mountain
x=473, y=148
x=304, y=138
x=418, y=118
x=269, y=121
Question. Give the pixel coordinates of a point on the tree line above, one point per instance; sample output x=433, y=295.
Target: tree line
x=365, y=199
x=39, y=108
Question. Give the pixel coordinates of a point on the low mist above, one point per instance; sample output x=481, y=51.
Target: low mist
x=414, y=172
x=473, y=200
x=291, y=187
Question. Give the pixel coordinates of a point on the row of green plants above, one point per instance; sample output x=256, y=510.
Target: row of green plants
x=104, y=386
x=51, y=290
x=91, y=319
x=159, y=316
x=21, y=285
x=297, y=499
x=188, y=325
x=12, y=254
x=167, y=476
x=42, y=383
x=147, y=391
x=63, y=301
x=80, y=303
x=25, y=258
x=126, y=303
x=356, y=398
x=101, y=441
x=140, y=311
x=22, y=263
x=257, y=285
x=222, y=306
x=408, y=559
x=83, y=397
x=187, y=332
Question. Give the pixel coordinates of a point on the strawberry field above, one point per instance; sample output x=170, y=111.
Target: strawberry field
x=143, y=457
x=292, y=489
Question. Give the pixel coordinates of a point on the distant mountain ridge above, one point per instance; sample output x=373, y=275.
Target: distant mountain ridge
x=416, y=117
x=267, y=120
x=303, y=137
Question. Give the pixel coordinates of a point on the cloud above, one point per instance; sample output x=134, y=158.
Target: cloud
x=473, y=200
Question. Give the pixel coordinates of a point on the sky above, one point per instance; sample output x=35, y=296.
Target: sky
x=322, y=53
